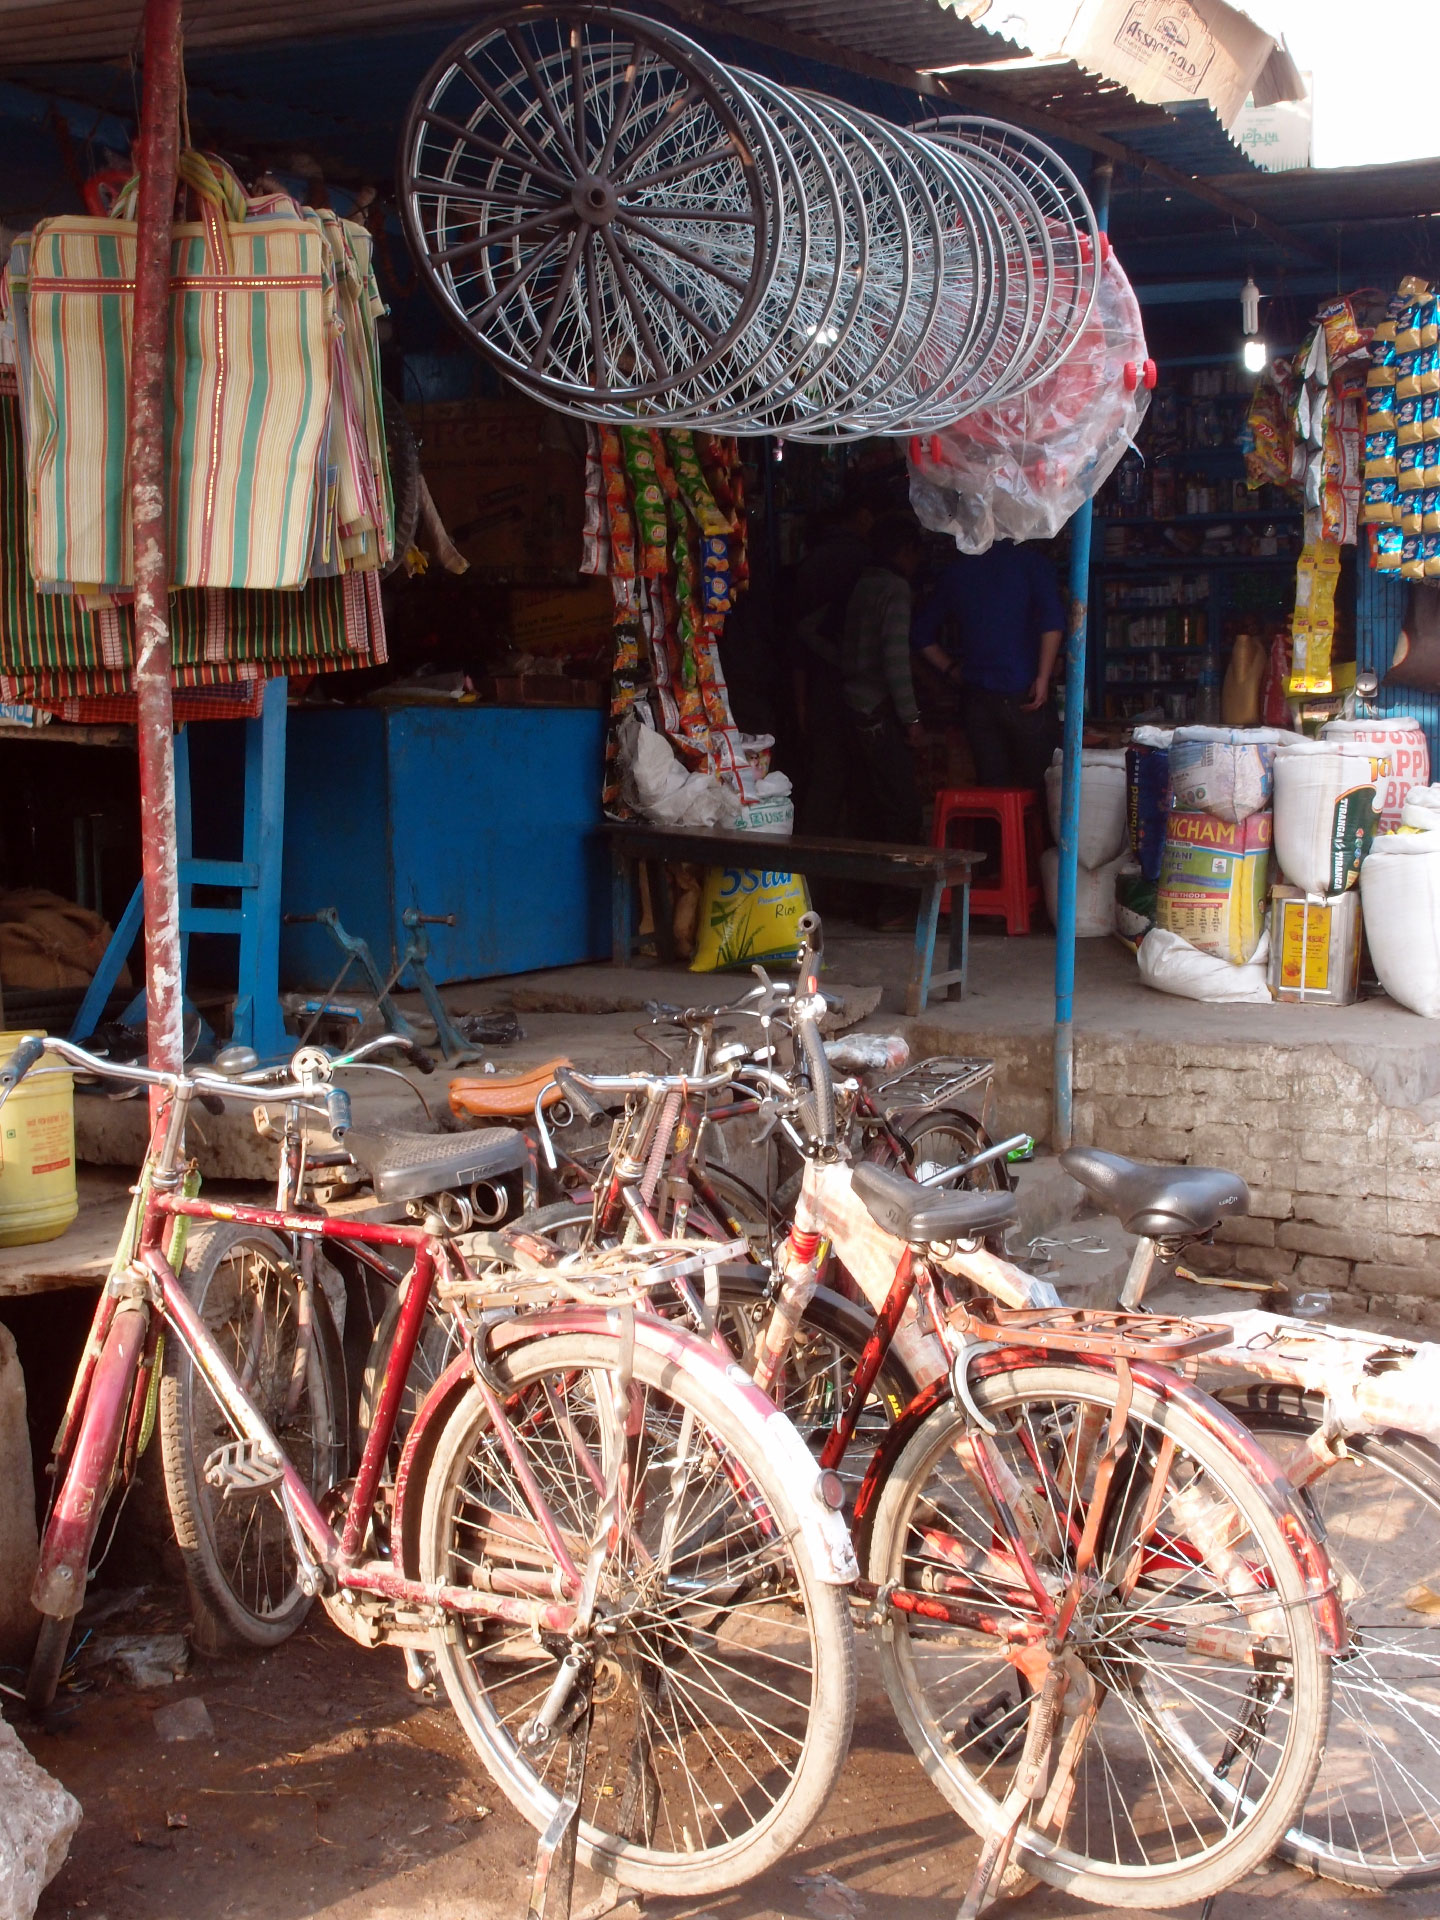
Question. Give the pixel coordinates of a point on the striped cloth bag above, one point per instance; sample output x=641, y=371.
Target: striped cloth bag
x=57, y=653
x=253, y=321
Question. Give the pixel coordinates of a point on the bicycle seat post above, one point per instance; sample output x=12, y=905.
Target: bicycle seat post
x=1142, y=1265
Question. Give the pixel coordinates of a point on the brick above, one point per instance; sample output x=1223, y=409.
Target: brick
x=1265, y=1263
x=1325, y=1210
x=1413, y=1307
x=1409, y=1218
x=1267, y=1144
x=1166, y=1146
x=1334, y=1243
x=1313, y=1271
x=1395, y=1280
x=1353, y=1183
x=1248, y=1233
x=1216, y=1259
x=1404, y=1250
x=1337, y=1150
x=1271, y=1203
x=1120, y=1109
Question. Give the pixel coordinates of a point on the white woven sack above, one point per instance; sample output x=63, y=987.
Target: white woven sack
x=1400, y=899
x=1402, y=739
x=1104, y=831
x=1170, y=963
x=1315, y=834
x=1094, y=894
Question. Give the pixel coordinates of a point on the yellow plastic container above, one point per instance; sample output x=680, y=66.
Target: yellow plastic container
x=37, y=1154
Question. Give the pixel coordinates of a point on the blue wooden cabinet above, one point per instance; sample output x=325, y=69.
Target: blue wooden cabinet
x=484, y=812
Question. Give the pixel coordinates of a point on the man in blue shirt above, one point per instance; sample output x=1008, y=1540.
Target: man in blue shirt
x=993, y=625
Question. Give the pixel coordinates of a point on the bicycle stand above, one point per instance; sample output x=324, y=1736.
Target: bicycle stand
x=455, y=1048
x=552, y=1886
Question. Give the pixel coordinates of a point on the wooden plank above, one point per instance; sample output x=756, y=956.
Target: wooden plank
x=854, y=859
x=81, y=1256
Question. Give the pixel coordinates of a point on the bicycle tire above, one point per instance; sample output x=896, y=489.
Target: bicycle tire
x=243, y=1590
x=699, y=1636
x=47, y=1662
x=944, y=1136
x=1383, y=1746
x=967, y=1746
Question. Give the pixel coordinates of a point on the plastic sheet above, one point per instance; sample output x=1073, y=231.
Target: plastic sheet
x=1019, y=470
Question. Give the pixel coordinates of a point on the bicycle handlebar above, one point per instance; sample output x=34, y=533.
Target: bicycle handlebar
x=226, y=1087
x=579, y=1098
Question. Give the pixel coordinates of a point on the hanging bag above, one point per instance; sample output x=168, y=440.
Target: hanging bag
x=248, y=390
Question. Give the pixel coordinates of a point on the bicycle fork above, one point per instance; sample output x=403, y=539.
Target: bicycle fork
x=74, y=1520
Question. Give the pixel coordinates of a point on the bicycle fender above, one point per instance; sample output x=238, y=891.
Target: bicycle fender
x=59, y=1587
x=823, y=1531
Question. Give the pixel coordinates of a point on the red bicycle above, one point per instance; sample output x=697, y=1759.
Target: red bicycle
x=601, y=1536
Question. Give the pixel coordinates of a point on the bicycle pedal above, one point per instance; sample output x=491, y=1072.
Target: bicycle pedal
x=987, y=1733
x=242, y=1467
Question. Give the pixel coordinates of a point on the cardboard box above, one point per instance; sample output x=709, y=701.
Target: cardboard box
x=1315, y=947
x=1214, y=876
x=1164, y=50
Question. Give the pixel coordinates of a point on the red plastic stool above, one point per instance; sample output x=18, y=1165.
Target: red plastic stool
x=1016, y=810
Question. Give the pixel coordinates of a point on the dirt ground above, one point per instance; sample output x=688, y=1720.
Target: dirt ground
x=328, y=1788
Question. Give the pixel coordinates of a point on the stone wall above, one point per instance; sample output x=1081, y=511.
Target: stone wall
x=1342, y=1155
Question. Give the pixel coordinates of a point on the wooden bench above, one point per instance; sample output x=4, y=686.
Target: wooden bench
x=930, y=869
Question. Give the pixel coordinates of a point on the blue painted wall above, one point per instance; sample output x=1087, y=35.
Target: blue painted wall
x=1379, y=609
x=484, y=812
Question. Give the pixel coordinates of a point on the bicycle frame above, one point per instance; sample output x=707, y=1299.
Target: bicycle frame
x=825, y=1235
x=98, y=1437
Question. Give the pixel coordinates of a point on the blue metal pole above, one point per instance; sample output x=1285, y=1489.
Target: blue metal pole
x=1062, y=1120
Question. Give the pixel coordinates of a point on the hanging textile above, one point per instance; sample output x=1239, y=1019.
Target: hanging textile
x=55, y=652
x=277, y=467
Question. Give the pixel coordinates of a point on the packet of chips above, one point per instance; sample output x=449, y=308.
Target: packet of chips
x=1407, y=374
x=1410, y=467
x=1407, y=419
x=1430, y=547
x=1412, y=512
x=1412, y=557
x=1380, y=404
x=1430, y=510
x=1380, y=501
x=1380, y=454
x=1343, y=336
x=1387, y=550
x=1430, y=321
x=1407, y=328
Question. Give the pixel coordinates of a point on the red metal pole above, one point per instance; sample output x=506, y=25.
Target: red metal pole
x=159, y=153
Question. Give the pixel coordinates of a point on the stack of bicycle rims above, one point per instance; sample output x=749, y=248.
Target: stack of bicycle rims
x=632, y=231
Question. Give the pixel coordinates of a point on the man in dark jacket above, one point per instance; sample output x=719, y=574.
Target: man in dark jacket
x=875, y=670
x=994, y=624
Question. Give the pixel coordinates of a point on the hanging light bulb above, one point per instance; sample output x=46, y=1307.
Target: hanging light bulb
x=1254, y=354
x=1250, y=307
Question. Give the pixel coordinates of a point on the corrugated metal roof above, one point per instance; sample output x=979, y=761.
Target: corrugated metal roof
x=904, y=33
x=1193, y=140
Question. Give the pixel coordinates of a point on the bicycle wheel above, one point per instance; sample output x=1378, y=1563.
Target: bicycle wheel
x=827, y=1348
x=1373, y=1816
x=277, y=1335
x=943, y=1137
x=820, y=1367
x=1178, y=1691
x=724, y=1676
